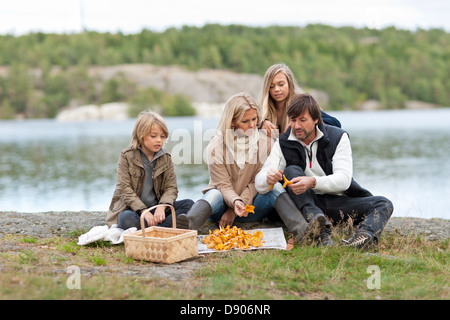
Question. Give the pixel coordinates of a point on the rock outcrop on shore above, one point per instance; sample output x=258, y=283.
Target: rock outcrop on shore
x=205, y=85
x=208, y=90
x=47, y=224
x=107, y=111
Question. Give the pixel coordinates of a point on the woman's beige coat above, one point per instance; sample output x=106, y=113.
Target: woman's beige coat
x=226, y=176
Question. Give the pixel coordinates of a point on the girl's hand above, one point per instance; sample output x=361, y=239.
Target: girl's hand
x=270, y=129
x=149, y=218
x=159, y=215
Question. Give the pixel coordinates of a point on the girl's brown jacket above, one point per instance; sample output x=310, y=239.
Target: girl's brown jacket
x=130, y=178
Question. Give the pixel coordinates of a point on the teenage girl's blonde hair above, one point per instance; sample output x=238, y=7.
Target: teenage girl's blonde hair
x=144, y=124
x=268, y=107
x=233, y=111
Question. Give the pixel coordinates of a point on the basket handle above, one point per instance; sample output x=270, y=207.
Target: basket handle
x=174, y=220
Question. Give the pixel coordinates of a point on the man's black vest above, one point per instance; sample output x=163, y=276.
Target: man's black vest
x=294, y=154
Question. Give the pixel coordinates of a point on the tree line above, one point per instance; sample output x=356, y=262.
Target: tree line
x=47, y=71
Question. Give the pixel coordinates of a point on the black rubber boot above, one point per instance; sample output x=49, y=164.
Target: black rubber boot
x=291, y=216
x=195, y=217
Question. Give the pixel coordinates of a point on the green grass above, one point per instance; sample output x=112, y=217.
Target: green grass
x=332, y=273
x=410, y=268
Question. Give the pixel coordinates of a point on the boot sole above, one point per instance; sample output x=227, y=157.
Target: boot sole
x=182, y=221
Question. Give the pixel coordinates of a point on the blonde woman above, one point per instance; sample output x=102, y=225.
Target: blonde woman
x=278, y=89
x=235, y=156
x=145, y=177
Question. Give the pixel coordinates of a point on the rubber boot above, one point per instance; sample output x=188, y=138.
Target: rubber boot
x=291, y=216
x=196, y=216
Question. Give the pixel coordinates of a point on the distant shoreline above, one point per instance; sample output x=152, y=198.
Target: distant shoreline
x=91, y=113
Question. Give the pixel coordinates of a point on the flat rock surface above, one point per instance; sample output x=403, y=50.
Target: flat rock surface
x=45, y=224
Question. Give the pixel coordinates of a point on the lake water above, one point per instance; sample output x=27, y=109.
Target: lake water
x=50, y=166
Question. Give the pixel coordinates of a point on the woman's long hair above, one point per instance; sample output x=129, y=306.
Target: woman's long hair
x=233, y=111
x=268, y=106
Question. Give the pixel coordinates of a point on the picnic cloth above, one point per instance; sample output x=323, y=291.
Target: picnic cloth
x=273, y=239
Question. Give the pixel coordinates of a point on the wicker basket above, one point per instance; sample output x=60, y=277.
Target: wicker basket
x=158, y=244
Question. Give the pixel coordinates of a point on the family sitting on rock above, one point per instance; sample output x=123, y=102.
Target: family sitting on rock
x=294, y=162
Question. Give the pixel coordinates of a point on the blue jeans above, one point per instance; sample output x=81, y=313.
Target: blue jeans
x=264, y=204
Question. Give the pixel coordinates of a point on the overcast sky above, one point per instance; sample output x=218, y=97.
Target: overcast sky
x=131, y=16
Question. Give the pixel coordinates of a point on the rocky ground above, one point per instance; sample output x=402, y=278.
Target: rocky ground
x=47, y=224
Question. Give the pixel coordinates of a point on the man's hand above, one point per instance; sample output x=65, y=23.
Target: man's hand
x=301, y=184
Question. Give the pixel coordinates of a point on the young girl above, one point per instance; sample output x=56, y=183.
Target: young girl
x=278, y=89
x=145, y=177
x=235, y=156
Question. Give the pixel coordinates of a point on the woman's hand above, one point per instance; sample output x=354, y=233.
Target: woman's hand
x=273, y=176
x=227, y=218
x=239, y=208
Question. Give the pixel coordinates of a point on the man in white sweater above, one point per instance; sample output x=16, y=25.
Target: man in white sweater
x=317, y=159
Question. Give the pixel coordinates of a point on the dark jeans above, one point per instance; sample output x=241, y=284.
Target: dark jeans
x=128, y=218
x=264, y=205
x=370, y=213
